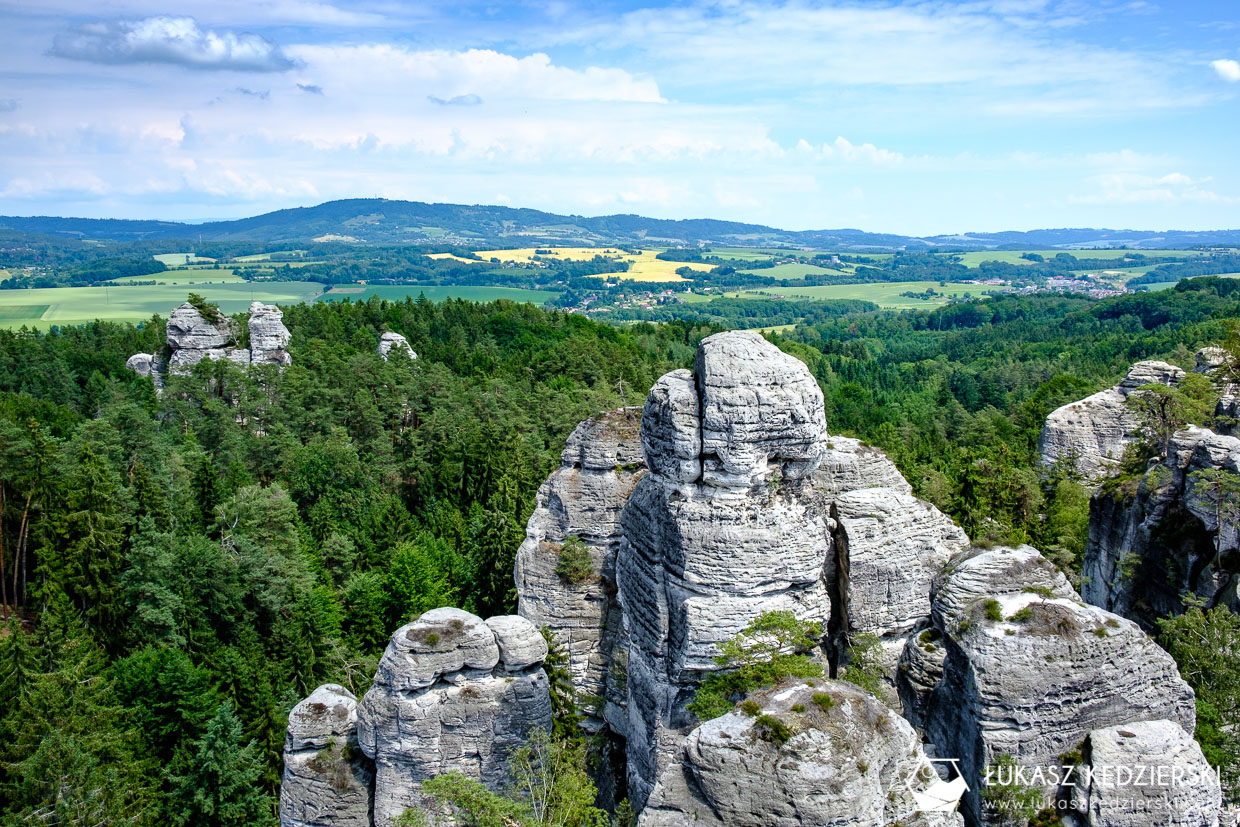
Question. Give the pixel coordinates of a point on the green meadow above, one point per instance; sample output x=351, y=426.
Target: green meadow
x=45, y=307
x=884, y=294
x=437, y=292
x=1014, y=256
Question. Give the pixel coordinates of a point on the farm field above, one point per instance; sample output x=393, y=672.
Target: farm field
x=186, y=276
x=179, y=259
x=436, y=292
x=797, y=271
x=45, y=307
x=644, y=267
x=884, y=294
x=973, y=259
x=453, y=256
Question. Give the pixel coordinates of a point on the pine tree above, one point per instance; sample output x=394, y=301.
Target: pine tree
x=222, y=787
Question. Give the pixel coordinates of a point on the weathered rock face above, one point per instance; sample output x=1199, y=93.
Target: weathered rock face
x=723, y=528
x=268, y=335
x=1147, y=774
x=1030, y=670
x=390, y=342
x=188, y=330
x=848, y=760
x=1152, y=542
x=894, y=545
x=451, y=693
x=192, y=338
x=583, y=498
x=735, y=519
x=326, y=777
x=1093, y=433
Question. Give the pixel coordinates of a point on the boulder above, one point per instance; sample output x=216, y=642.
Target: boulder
x=389, y=342
x=1030, y=670
x=188, y=330
x=452, y=693
x=1092, y=434
x=1147, y=774
x=841, y=758
x=326, y=777
x=758, y=404
x=140, y=363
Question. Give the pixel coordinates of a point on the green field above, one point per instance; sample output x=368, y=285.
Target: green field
x=1014, y=256
x=436, y=292
x=185, y=276
x=794, y=271
x=884, y=294
x=77, y=305
x=178, y=259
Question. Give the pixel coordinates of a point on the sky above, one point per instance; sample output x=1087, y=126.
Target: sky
x=918, y=118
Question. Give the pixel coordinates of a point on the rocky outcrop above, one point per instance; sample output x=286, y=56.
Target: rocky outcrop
x=326, y=777
x=1154, y=540
x=390, y=342
x=191, y=338
x=582, y=499
x=268, y=336
x=841, y=758
x=723, y=528
x=1146, y=774
x=1030, y=670
x=1092, y=434
x=750, y=507
x=451, y=693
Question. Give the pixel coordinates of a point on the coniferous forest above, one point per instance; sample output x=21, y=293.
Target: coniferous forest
x=178, y=570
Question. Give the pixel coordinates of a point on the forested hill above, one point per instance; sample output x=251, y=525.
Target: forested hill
x=185, y=567
x=373, y=220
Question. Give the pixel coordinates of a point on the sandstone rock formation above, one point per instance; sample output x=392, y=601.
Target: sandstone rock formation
x=1092, y=434
x=191, y=338
x=582, y=499
x=268, y=335
x=845, y=760
x=1030, y=670
x=451, y=693
x=735, y=519
x=326, y=778
x=389, y=342
x=1147, y=774
x=1153, y=541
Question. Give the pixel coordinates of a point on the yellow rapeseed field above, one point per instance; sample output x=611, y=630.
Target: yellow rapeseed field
x=642, y=267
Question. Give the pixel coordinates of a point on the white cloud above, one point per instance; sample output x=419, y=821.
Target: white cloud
x=1228, y=70
x=844, y=150
x=1133, y=188
x=386, y=69
x=176, y=40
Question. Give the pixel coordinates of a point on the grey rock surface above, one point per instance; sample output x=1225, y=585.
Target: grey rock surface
x=1036, y=681
x=1092, y=434
x=1148, y=774
x=140, y=363
x=671, y=434
x=855, y=763
x=188, y=330
x=1157, y=540
x=390, y=342
x=268, y=336
x=1210, y=359
x=583, y=498
x=757, y=404
x=521, y=645
x=444, y=700
x=895, y=545
x=326, y=777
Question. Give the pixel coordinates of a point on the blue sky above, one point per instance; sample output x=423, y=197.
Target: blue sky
x=913, y=117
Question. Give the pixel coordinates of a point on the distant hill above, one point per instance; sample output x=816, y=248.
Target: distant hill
x=379, y=221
